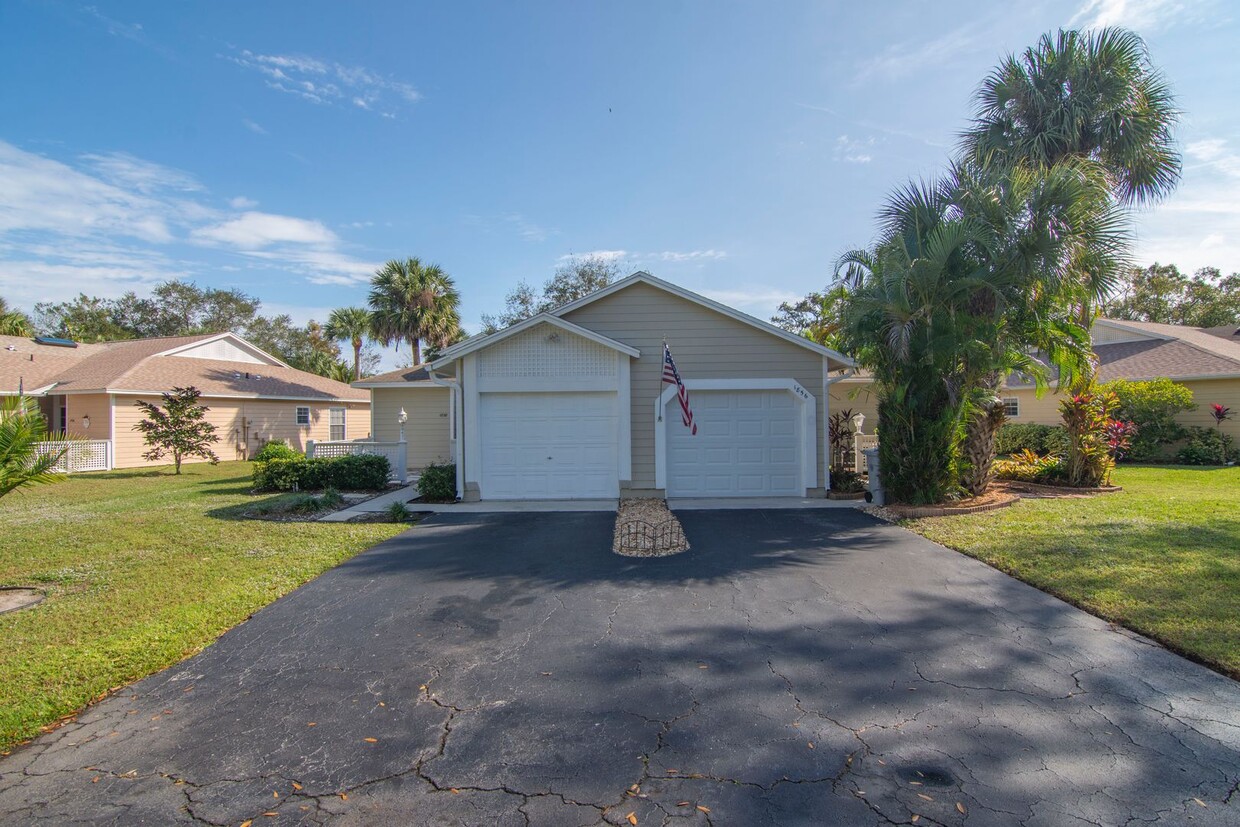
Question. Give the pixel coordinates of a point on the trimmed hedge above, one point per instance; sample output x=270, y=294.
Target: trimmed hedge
x=1015, y=437
x=275, y=450
x=356, y=472
x=437, y=483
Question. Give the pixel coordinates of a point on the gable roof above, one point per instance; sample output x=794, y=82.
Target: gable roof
x=475, y=343
x=416, y=375
x=157, y=365
x=642, y=277
x=1168, y=350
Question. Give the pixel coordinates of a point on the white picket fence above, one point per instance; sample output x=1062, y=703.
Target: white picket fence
x=80, y=454
x=397, y=453
x=860, y=443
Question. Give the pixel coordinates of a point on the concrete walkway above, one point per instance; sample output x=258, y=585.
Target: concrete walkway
x=379, y=503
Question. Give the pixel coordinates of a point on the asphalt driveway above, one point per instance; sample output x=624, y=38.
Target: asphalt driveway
x=795, y=667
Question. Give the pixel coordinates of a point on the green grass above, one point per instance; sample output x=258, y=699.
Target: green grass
x=141, y=569
x=1162, y=557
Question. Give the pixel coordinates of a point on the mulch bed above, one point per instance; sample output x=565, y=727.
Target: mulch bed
x=1037, y=490
x=647, y=528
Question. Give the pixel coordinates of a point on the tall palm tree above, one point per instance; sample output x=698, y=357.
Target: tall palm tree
x=352, y=324
x=1078, y=94
x=14, y=322
x=414, y=302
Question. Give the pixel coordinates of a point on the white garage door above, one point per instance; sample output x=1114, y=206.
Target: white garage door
x=748, y=444
x=538, y=446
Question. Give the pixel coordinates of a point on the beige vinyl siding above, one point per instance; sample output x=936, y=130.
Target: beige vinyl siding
x=705, y=345
x=242, y=426
x=95, y=406
x=1207, y=393
x=428, y=428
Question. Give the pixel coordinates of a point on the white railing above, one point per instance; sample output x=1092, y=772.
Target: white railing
x=860, y=443
x=396, y=452
x=80, y=454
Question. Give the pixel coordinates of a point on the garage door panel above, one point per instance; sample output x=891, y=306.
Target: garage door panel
x=748, y=444
x=548, y=445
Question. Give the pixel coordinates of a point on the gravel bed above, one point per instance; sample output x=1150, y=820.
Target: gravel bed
x=647, y=528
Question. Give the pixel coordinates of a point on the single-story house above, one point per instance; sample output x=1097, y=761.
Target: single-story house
x=572, y=403
x=1205, y=360
x=88, y=391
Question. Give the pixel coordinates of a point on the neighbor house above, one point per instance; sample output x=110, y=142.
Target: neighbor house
x=88, y=391
x=1205, y=360
x=572, y=403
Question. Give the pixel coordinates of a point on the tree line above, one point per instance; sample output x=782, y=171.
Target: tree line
x=409, y=302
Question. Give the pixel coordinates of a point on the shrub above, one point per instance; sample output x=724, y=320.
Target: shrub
x=359, y=472
x=1153, y=406
x=438, y=482
x=845, y=481
x=1028, y=466
x=1208, y=446
x=363, y=472
x=398, y=512
x=1088, y=418
x=275, y=450
x=1015, y=437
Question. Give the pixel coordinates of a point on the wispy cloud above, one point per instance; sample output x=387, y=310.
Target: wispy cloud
x=906, y=57
x=326, y=82
x=1199, y=225
x=671, y=256
x=1142, y=15
x=256, y=128
x=854, y=150
x=528, y=229
x=112, y=222
x=873, y=126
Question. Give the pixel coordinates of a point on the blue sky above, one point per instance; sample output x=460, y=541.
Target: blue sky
x=735, y=148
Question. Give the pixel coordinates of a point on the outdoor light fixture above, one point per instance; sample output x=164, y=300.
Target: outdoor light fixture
x=858, y=420
x=86, y=422
x=402, y=417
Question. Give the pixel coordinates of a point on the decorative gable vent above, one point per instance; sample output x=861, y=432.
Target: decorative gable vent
x=545, y=351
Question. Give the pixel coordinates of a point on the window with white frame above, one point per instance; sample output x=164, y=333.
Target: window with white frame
x=1011, y=406
x=336, y=421
x=303, y=414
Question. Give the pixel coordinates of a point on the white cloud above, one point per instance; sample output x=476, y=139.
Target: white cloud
x=124, y=170
x=256, y=128
x=528, y=229
x=116, y=222
x=256, y=230
x=853, y=150
x=759, y=303
x=605, y=255
x=901, y=59
x=1141, y=15
x=690, y=255
x=324, y=82
x=1199, y=225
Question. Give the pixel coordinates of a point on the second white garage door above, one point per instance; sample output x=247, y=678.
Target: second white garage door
x=548, y=446
x=748, y=444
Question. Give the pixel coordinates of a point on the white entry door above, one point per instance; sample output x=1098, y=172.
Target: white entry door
x=538, y=446
x=748, y=444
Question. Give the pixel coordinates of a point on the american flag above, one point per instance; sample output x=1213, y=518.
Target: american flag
x=672, y=377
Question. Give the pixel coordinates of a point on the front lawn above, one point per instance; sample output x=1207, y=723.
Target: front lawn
x=1162, y=557
x=141, y=569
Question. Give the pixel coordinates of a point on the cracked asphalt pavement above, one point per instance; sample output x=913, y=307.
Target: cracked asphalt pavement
x=795, y=667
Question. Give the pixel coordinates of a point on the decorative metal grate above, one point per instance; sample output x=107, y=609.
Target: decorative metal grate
x=638, y=538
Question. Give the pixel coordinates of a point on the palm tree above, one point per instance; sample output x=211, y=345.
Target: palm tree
x=1078, y=94
x=14, y=322
x=411, y=301
x=22, y=428
x=353, y=324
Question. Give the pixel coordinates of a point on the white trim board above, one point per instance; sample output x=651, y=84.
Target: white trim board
x=809, y=420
